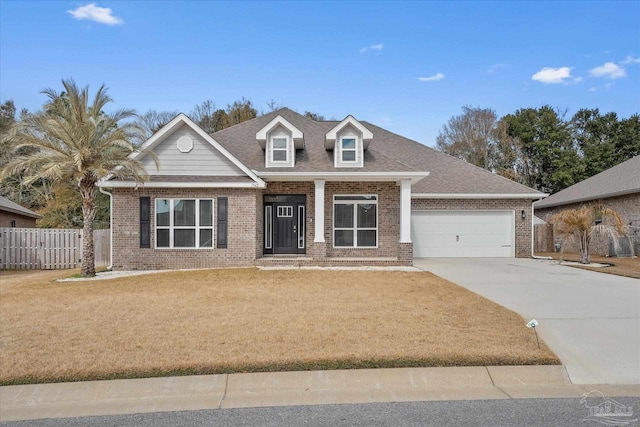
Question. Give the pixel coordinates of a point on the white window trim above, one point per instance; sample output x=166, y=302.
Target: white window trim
x=354, y=149
x=286, y=149
x=171, y=227
x=355, y=219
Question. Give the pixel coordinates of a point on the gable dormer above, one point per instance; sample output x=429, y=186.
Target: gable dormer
x=280, y=139
x=348, y=140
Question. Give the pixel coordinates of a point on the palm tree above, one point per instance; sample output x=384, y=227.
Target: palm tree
x=583, y=222
x=80, y=143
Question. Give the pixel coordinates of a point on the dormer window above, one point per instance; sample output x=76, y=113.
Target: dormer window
x=348, y=149
x=279, y=150
x=280, y=140
x=348, y=140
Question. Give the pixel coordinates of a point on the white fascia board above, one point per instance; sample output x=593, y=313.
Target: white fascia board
x=296, y=134
x=330, y=137
x=342, y=176
x=478, y=195
x=130, y=184
x=182, y=118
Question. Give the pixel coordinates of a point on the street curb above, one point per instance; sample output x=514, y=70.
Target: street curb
x=116, y=397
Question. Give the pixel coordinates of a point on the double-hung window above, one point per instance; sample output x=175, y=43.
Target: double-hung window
x=279, y=150
x=355, y=221
x=348, y=146
x=184, y=223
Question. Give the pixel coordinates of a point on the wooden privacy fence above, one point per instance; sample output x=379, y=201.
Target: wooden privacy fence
x=543, y=238
x=48, y=249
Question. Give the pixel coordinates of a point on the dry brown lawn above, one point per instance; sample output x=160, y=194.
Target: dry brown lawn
x=628, y=267
x=244, y=320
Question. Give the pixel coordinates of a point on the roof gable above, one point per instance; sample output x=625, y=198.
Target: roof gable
x=183, y=127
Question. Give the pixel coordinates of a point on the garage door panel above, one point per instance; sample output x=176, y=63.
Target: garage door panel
x=462, y=233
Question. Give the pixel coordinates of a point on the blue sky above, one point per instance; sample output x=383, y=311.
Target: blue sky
x=406, y=66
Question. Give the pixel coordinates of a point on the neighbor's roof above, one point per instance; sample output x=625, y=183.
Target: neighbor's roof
x=387, y=152
x=7, y=205
x=616, y=181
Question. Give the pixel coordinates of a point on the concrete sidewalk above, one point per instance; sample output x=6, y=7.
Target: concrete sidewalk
x=92, y=398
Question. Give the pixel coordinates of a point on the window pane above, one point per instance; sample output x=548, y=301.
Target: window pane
x=356, y=197
x=162, y=239
x=184, y=238
x=206, y=212
x=162, y=212
x=343, y=216
x=366, y=238
x=184, y=213
x=366, y=215
x=348, y=156
x=279, y=156
x=343, y=238
x=279, y=143
x=206, y=238
x=349, y=143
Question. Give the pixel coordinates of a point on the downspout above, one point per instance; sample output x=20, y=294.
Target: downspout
x=110, y=266
x=532, y=241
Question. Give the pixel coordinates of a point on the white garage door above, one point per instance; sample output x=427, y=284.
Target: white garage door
x=462, y=234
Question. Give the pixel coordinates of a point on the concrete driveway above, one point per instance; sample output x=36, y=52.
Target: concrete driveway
x=591, y=320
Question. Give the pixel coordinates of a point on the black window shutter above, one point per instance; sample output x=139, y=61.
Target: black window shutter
x=222, y=222
x=145, y=223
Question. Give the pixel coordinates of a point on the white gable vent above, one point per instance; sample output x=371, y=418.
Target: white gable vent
x=185, y=144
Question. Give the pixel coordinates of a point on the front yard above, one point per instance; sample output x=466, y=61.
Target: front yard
x=242, y=320
x=627, y=267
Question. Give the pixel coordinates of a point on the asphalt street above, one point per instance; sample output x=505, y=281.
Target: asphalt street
x=513, y=412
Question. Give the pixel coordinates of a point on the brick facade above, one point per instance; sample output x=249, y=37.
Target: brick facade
x=127, y=254
x=628, y=206
x=246, y=227
x=522, y=226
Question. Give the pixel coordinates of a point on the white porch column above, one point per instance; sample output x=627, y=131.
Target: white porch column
x=405, y=211
x=319, y=211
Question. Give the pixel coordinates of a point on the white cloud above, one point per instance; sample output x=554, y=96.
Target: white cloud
x=551, y=75
x=630, y=60
x=91, y=12
x=609, y=70
x=592, y=89
x=496, y=67
x=434, y=78
x=374, y=47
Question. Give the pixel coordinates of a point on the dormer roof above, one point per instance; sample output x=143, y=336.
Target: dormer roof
x=331, y=136
x=296, y=134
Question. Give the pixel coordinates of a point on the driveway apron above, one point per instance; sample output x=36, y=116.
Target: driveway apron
x=590, y=320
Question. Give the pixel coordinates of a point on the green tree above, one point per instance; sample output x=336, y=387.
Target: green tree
x=78, y=142
x=627, y=142
x=595, y=136
x=314, y=116
x=550, y=161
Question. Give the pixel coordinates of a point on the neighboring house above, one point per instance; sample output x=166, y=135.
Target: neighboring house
x=284, y=189
x=617, y=188
x=14, y=215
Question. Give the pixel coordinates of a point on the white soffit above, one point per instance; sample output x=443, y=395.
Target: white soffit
x=296, y=134
x=331, y=136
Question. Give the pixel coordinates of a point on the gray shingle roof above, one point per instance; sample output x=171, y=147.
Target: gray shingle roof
x=9, y=206
x=616, y=181
x=387, y=152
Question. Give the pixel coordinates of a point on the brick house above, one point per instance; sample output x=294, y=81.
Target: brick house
x=617, y=188
x=14, y=215
x=285, y=189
